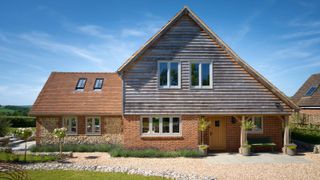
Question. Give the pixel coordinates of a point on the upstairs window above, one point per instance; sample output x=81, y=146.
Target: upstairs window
x=81, y=84
x=98, y=84
x=169, y=74
x=201, y=75
x=311, y=91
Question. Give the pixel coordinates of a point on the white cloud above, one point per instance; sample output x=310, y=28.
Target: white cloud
x=93, y=30
x=133, y=32
x=300, y=34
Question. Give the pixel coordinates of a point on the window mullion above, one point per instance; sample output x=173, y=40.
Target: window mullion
x=200, y=75
x=150, y=125
x=170, y=125
x=168, y=74
x=160, y=125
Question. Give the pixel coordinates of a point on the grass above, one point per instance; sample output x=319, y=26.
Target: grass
x=306, y=135
x=84, y=175
x=116, y=150
x=10, y=157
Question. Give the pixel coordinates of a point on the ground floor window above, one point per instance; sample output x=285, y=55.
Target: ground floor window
x=258, y=122
x=71, y=124
x=93, y=125
x=160, y=125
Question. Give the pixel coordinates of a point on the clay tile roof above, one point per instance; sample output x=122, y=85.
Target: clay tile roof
x=59, y=97
x=308, y=101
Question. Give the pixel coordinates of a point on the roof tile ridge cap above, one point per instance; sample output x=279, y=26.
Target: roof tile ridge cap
x=74, y=72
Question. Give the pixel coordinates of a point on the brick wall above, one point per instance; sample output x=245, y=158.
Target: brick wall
x=189, y=139
x=111, y=131
x=272, y=127
x=310, y=111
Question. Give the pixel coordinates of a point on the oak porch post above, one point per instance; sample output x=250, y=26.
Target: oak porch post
x=286, y=136
x=243, y=134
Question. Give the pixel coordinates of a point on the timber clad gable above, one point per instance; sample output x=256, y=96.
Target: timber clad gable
x=234, y=90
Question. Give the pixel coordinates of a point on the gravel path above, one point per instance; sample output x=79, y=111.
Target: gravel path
x=203, y=167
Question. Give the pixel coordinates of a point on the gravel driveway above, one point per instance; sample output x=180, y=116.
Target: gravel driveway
x=307, y=169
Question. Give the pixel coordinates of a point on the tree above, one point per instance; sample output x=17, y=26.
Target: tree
x=60, y=133
x=24, y=133
x=4, y=126
x=203, y=125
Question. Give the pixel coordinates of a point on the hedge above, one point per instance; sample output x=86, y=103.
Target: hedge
x=20, y=121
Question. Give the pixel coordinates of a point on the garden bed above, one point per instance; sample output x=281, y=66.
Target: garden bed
x=116, y=150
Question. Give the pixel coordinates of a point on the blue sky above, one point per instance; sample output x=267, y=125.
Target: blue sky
x=280, y=39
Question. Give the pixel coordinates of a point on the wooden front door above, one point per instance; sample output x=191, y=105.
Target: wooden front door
x=217, y=134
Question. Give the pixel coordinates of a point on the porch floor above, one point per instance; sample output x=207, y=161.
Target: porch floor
x=235, y=158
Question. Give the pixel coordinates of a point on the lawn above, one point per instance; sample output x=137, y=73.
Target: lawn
x=83, y=175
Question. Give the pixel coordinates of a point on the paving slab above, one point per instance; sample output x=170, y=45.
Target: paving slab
x=257, y=158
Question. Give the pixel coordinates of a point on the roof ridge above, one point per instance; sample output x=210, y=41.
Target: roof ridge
x=65, y=72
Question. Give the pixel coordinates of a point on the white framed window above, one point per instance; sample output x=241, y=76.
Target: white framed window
x=201, y=74
x=161, y=126
x=258, y=122
x=93, y=125
x=169, y=74
x=71, y=123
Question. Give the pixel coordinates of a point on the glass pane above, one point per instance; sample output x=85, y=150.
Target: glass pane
x=311, y=91
x=205, y=72
x=217, y=123
x=145, y=125
x=98, y=84
x=166, y=125
x=73, y=125
x=89, y=125
x=195, y=74
x=96, y=125
x=155, y=125
x=163, y=74
x=81, y=83
x=258, y=123
x=174, y=74
x=175, y=125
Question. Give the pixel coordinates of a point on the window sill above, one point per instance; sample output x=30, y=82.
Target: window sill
x=169, y=88
x=72, y=134
x=199, y=88
x=93, y=134
x=171, y=136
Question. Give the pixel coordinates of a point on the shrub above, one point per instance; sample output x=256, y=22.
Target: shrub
x=4, y=127
x=73, y=148
x=9, y=157
x=309, y=135
x=20, y=121
x=119, y=152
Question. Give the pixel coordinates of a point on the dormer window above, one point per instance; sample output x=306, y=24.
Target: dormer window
x=311, y=91
x=81, y=83
x=98, y=84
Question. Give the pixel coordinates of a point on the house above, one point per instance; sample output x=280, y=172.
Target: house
x=308, y=96
x=184, y=72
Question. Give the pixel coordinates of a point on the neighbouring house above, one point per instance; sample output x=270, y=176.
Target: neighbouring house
x=308, y=96
x=183, y=73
